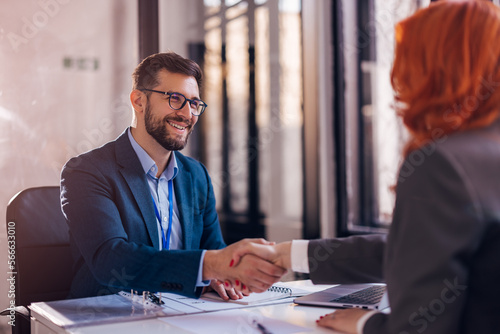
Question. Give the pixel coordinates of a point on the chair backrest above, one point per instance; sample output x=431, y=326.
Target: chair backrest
x=42, y=254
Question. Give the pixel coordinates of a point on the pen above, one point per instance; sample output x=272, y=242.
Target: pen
x=261, y=327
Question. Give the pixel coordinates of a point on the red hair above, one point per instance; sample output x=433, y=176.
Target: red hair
x=446, y=71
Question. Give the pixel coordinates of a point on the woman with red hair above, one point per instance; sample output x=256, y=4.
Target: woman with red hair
x=441, y=262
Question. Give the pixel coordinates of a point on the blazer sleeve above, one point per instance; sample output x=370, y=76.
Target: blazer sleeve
x=95, y=210
x=433, y=237
x=357, y=259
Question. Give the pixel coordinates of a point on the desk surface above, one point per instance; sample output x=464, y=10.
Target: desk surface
x=299, y=315
x=304, y=316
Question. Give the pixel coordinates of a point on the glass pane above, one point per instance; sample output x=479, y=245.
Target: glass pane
x=212, y=93
x=236, y=10
x=230, y=3
x=212, y=6
x=278, y=35
x=290, y=6
x=211, y=3
x=375, y=134
x=291, y=107
x=263, y=103
x=238, y=95
x=388, y=133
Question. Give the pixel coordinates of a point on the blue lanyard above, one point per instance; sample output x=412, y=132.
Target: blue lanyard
x=166, y=240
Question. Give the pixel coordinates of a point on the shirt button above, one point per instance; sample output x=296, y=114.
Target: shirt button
x=164, y=219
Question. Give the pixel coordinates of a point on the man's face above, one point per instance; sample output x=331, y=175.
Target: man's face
x=169, y=127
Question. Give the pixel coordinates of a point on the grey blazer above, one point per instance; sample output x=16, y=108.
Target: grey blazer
x=441, y=259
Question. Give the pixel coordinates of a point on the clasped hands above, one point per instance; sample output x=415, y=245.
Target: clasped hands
x=250, y=265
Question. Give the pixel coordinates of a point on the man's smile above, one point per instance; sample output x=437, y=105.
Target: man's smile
x=177, y=126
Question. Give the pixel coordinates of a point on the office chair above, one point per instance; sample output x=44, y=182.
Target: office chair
x=43, y=262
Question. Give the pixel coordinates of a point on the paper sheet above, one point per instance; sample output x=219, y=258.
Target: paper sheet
x=192, y=305
x=230, y=322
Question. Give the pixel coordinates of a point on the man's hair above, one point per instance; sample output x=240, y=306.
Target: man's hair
x=146, y=73
x=446, y=70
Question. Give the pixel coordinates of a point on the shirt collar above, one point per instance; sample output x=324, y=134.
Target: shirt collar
x=148, y=164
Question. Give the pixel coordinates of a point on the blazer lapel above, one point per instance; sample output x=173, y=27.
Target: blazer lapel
x=136, y=179
x=184, y=196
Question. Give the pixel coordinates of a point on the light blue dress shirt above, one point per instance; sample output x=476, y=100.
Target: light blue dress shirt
x=159, y=191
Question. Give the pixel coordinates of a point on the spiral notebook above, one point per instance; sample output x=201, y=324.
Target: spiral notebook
x=275, y=292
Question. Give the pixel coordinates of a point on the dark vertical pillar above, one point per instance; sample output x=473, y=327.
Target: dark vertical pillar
x=196, y=52
x=367, y=55
x=339, y=117
x=148, y=28
x=253, y=146
x=310, y=145
x=226, y=185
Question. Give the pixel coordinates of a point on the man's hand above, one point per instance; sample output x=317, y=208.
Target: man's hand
x=225, y=292
x=278, y=254
x=252, y=273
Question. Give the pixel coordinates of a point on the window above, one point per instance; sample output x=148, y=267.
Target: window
x=253, y=137
x=373, y=135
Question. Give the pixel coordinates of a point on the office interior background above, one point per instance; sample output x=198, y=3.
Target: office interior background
x=300, y=137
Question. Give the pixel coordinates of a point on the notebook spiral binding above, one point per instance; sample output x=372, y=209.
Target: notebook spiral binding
x=280, y=289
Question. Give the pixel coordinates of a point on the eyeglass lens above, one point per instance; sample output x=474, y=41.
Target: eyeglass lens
x=177, y=101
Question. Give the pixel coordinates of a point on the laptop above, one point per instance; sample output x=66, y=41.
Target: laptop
x=366, y=296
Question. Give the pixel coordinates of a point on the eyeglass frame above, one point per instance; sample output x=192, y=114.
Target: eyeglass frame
x=168, y=94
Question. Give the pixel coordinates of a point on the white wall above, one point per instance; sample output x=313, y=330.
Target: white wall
x=181, y=22
x=65, y=78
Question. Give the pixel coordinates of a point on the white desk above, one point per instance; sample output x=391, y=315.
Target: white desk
x=303, y=316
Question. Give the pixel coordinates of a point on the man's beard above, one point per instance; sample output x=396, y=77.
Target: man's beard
x=158, y=130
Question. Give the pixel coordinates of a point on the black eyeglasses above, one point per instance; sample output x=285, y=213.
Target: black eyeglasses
x=177, y=101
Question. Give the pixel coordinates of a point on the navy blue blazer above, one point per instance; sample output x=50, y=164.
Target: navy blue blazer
x=113, y=229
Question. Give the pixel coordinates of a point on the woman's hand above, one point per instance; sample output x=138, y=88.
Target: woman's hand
x=344, y=321
x=226, y=292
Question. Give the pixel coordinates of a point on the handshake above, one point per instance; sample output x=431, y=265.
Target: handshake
x=250, y=265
